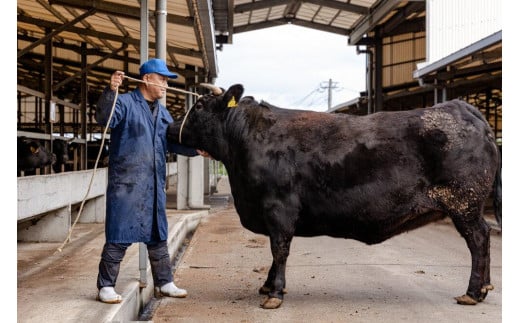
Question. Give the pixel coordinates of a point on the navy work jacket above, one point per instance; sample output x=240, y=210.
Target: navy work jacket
x=136, y=192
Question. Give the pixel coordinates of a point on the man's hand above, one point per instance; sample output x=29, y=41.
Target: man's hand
x=116, y=80
x=204, y=153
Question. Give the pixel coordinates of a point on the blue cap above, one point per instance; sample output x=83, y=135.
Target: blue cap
x=156, y=65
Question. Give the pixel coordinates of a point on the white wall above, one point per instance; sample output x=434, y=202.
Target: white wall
x=454, y=24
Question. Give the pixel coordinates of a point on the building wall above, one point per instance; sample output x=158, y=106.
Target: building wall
x=454, y=24
x=400, y=57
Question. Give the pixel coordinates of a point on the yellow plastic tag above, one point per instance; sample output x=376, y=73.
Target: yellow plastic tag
x=232, y=103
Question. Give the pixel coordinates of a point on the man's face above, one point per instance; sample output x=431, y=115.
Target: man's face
x=154, y=91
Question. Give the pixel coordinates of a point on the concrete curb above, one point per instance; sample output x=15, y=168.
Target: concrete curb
x=135, y=297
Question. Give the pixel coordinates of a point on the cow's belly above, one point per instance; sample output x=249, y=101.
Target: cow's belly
x=370, y=232
x=251, y=218
x=369, y=213
x=367, y=226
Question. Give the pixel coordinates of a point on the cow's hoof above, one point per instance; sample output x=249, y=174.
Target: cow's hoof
x=484, y=291
x=271, y=303
x=465, y=300
x=265, y=290
x=487, y=288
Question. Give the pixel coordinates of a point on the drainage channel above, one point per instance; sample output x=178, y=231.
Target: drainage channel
x=149, y=309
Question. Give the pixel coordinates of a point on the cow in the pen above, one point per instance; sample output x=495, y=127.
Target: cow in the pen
x=62, y=149
x=95, y=150
x=31, y=155
x=368, y=178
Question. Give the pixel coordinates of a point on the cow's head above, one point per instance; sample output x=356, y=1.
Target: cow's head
x=32, y=154
x=204, y=123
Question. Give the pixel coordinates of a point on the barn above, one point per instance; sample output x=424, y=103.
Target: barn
x=67, y=49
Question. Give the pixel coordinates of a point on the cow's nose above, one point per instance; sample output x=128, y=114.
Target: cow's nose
x=53, y=158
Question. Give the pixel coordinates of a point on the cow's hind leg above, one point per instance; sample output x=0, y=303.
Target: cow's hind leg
x=476, y=232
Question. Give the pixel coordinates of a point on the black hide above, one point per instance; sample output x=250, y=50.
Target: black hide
x=304, y=173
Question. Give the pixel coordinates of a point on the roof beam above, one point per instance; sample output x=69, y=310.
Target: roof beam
x=434, y=67
x=294, y=21
x=371, y=20
x=340, y=6
x=402, y=14
x=35, y=66
x=59, y=28
x=88, y=68
x=207, y=33
x=259, y=25
x=408, y=26
x=259, y=5
x=470, y=71
x=108, y=36
x=324, y=3
x=65, y=20
x=120, y=10
x=326, y=28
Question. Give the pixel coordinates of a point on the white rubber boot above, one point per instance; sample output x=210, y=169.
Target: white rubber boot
x=170, y=290
x=109, y=295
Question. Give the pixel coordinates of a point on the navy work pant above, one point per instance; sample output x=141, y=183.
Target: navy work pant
x=113, y=254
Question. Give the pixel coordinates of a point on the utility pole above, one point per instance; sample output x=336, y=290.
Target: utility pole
x=329, y=87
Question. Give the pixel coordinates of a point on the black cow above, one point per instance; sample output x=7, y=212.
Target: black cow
x=60, y=148
x=32, y=154
x=368, y=178
x=66, y=155
x=94, y=149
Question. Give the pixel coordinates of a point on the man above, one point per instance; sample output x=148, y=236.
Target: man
x=136, y=197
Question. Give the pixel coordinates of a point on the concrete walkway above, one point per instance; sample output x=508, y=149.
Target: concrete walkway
x=61, y=287
x=409, y=278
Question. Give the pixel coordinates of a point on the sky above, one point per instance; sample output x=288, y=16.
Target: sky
x=290, y=66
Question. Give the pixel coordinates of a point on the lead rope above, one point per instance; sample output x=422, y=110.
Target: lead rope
x=182, y=124
x=163, y=86
x=93, y=172
x=60, y=249
x=174, y=89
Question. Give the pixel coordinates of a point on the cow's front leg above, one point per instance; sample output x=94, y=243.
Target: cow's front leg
x=269, y=283
x=275, y=283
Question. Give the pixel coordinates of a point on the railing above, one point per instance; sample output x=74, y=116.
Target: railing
x=47, y=204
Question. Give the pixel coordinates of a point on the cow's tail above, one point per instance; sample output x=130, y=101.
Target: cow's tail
x=497, y=192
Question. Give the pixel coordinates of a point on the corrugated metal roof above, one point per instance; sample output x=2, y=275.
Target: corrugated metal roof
x=333, y=16
x=100, y=36
x=108, y=33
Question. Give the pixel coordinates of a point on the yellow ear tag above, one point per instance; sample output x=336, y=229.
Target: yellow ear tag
x=232, y=103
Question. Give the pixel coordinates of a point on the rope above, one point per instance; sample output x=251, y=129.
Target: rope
x=182, y=124
x=163, y=86
x=93, y=173
x=174, y=89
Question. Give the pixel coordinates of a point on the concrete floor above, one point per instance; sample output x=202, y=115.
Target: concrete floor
x=409, y=278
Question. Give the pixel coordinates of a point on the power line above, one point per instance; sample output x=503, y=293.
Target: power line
x=329, y=86
x=314, y=99
x=305, y=98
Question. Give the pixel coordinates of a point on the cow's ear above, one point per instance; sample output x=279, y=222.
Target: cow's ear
x=233, y=95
